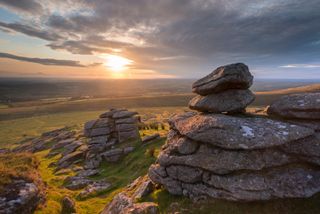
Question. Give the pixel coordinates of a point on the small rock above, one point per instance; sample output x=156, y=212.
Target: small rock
x=233, y=76
x=68, y=206
x=231, y=101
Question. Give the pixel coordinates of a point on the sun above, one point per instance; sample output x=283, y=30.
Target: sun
x=116, y=63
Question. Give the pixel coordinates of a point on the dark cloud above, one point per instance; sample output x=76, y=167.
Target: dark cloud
x=32, y=31
x=45, y=61
x=30, y=6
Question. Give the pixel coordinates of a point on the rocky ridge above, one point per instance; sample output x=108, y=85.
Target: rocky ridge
x=243, y=157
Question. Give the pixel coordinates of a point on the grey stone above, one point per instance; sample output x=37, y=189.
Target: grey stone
x=123, y=114
x=126, y=127
x=129, y=120
x=230, y=101
x=100, y=131
x=237, y=132
x=130, y=135
x=297, y=106
x=233, y=76
x=149, y=138
x=68, y=206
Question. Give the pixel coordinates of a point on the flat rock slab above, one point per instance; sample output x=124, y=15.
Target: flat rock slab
x=228, y=101
x=297, y=106
x=237, y=132
x=123, y=114
x=233, y=76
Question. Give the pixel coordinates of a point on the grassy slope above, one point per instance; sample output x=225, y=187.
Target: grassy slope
x=12, y=131
x=119, y=174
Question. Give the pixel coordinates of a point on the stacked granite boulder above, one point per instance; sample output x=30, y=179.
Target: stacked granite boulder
x=112, y=128
x=224, y=90
x=241, y=158
x=302, y=109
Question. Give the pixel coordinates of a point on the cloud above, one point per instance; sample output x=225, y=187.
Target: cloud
x=301, y=66
x=31, y=31
x=46, y=61
x=29, y=6
x=156, y=33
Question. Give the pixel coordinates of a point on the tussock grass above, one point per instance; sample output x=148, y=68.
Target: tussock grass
x=19, y=165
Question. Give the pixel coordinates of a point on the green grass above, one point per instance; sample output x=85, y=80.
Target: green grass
x=119, y=174
x=13, y=131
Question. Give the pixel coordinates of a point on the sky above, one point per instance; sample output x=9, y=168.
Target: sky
x=147, y=39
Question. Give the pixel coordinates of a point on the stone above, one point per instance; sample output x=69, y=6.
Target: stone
x=233, y=76
x=62, y=143
x=144, y=186
x=70, y=159
x=129, y=120
x=126, y=127
x=21, y=196
x=125, y=201
x=103, y=122
x=297, y=106
x=87, y=173
x=185, y=173
x=141, y=208
x=149, y=138
x=93, y=189
x=123, y=114
x=67, y=206
x=231, y=101
x=126, y=136
x=100, y=131
x=90, y=124
x=312, y=124
x=107, y=114
x=76, y=182
x=71, y=147
x=237, y=132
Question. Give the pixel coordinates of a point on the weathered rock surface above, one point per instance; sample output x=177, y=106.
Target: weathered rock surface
x=106, y=133
x=237, y=132
x=244, y=158
x=45, y=141
x=227, y=101
x=233, y=76
x=68, y=206
x=150, y=138
x=298, y=106
x=93, y=189
x=20, y=196
x=124, y=202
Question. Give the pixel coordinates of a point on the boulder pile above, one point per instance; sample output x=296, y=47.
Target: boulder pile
x=114, y=127
x=240, y=158
x=223, y=90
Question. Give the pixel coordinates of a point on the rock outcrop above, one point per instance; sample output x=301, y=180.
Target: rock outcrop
x=297, y=106
x=240, y=158
x=224, y=90
x=114, y=127
x=125, y=201
x=21, y=196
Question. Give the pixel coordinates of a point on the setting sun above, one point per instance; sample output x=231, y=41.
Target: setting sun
x=117, y=63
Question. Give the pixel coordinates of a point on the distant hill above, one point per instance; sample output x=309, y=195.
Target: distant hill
x=295, y=90
x=265, y=98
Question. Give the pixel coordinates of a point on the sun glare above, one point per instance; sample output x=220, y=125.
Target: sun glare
x=117, y=63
